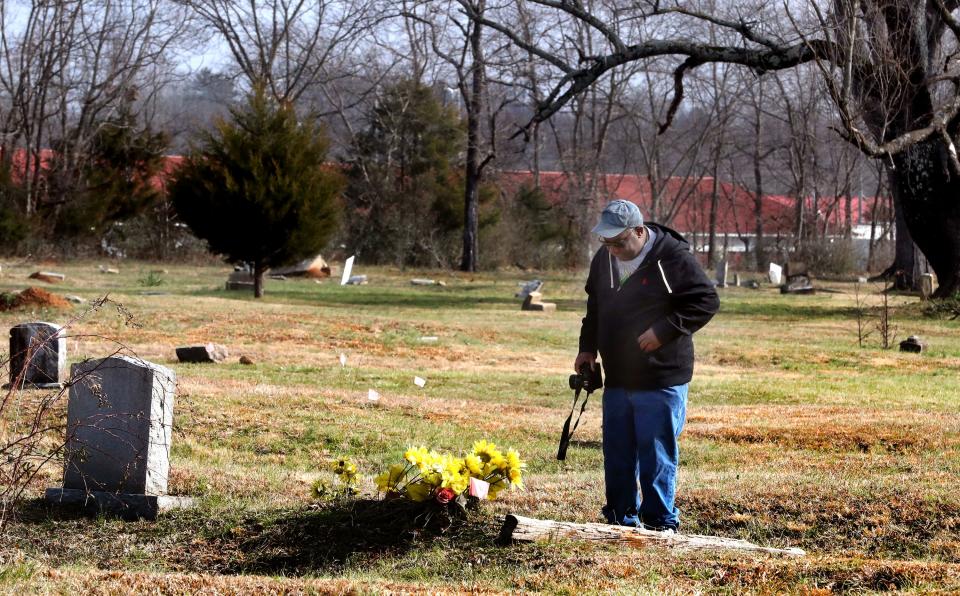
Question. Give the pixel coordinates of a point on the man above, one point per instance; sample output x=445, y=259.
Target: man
x=646, y=296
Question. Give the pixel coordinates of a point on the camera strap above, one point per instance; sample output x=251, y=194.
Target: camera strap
x=567, y=432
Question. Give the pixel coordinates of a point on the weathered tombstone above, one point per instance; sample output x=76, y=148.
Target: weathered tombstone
x=794, y=268
x=38, y=355
x=534, y=301
x=776, y=274
x=736, y=280
x=721, y=273
x=912, y=344
x=240, y=280
x=206, y=353
x=530, y=286
x=798, y=284
x=926, y=285
x=119, y=428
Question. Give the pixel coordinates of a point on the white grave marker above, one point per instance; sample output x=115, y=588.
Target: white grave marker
x=343, y=359
x=347, y=269
x=419, y=382
x=776, y=274
x=373, y=395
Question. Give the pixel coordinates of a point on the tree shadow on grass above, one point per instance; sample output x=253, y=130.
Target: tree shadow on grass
x=323, y=539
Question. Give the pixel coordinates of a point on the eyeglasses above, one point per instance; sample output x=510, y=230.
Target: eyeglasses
x=616, y=242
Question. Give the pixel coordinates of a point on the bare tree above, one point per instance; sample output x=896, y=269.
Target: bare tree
x=287, y=45
x=893, y=85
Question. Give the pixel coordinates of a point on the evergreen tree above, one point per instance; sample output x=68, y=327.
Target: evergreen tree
x=405, y=193
x=117, y=178
x=257, y=190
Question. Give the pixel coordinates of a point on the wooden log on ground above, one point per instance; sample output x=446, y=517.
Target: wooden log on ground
x=528, y=529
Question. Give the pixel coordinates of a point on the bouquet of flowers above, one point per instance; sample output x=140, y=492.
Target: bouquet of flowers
x=428, y=475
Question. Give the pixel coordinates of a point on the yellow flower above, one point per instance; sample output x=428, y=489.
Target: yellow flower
x=513, y=459
x=391, y=479
x=419, y=492
x=474, y=464
x=516, y=478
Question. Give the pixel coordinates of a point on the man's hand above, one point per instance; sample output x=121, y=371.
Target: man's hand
x=585, y=358
x=649, y=341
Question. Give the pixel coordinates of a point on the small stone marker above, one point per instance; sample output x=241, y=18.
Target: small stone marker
x=426, y=282
x=207, y=353
x=419, y=382
x=357, y=280
x=429, y=338
x=74, y=299
x=526, y=287
x=119, y=428
x=534, y=301
x=926, y=285
x=912, y=344
x=373, y=395
x=736, y=280
x=721, y=273
x=347, y=270
x=775, y=274
x=38, y=355
x=343, y=360
x=278, y=276
x=48, y=276
x=240, y=280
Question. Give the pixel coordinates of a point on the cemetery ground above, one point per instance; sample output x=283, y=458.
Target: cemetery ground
x=795, y=437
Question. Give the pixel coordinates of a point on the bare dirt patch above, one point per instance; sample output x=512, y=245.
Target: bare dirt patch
x=32, y=298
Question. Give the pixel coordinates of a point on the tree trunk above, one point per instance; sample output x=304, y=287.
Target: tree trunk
x=526, y=529
x=927, y=193
x=473, y=169
x=258, y=270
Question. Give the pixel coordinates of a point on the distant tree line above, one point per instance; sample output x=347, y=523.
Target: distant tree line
x=420, y=104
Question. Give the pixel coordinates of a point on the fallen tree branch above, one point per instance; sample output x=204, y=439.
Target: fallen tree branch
x=528, y=529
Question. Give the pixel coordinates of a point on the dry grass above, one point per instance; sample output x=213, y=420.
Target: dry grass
x=794, y=437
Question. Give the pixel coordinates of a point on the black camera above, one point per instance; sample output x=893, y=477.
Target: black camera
x=588, y=379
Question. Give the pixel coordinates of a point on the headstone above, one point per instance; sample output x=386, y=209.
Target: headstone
x=347, y=270
x=74, y=299
x=38, y=355
x=721, y=273
x=926, y=285
x=912, y=344
x=530, y=286
x=736, y=280
x=426, y=282
x=48, y=276
x=775, y=274
x=278, y=277
x=315, y=267
x=797, y=284
x=246, y=360
x=207, y=353
x=119, y=428
x=534, y=301
x=752, y=284
x=794, y=268
x=240, y=280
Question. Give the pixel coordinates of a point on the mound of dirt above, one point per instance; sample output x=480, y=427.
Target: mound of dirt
x=32, y=297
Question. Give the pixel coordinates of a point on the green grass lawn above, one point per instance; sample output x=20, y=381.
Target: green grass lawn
x=795, y=437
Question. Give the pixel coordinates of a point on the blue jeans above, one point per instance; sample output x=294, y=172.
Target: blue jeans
x=640, y=431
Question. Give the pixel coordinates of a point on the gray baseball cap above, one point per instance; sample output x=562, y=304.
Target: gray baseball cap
x=617, y=216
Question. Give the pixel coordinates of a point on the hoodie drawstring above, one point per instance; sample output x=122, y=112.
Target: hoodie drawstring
x=610, y=262
x=664, y=276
